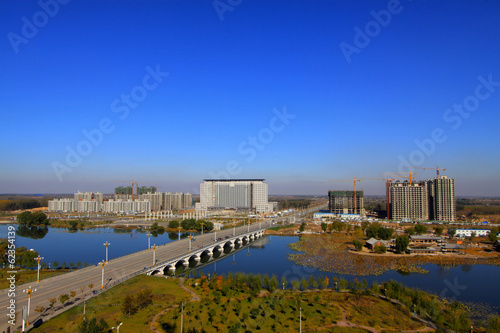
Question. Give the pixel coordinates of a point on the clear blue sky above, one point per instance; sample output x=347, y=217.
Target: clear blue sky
x=355, y=103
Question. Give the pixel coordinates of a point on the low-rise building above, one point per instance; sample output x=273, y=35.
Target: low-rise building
x=425, y=239
x=468, y=232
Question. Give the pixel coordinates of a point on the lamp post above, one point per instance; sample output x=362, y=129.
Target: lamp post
x=215, y=237
x=202, y=227
x=102, y=263
x=149, y=240
x=248, y=225
x=234, y=228
x=117, y=328
x=29, y=291
x=182, y=317
x=38, y=270
x=190, y=237
x=106, y=244
x=154, y=254
x=300, y=320
x=179, y=227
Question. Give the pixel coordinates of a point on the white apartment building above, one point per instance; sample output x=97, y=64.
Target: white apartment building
x=250, y=194
x=62, y=205
x=128, y=206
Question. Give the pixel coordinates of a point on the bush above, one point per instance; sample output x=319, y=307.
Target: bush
x=357, y=244
x=380, y=249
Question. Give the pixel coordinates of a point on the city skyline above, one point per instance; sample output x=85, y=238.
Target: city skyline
x=298, y=93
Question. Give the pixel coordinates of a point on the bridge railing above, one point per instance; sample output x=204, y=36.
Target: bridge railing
x=184, y=255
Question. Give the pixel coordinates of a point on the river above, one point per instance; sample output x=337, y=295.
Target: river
x=468, y=283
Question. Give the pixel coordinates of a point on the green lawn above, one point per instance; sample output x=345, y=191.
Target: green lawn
x=166, y=292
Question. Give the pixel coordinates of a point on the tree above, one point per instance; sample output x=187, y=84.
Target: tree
x=173, y=224
x=52, y=301
x=25, y=218
x=410, y=231
x=380, y=249
x=451, y=232
x=91, y=326
x=402, y=243
x=357, y=244
x=128, y=306
x=372, y=230
x=324, y=226
x=385, y=233
x=492, y=236
x=39, y=218
x=438, y=230
x=144, y=298
x=63, y=298
x=302, y=227
x=420, y=229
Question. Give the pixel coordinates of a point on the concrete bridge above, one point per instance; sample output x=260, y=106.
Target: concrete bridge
x=205, y=254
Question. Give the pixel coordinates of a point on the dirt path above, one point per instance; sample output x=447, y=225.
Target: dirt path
x=194, y=298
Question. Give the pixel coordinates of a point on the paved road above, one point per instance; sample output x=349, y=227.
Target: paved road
x=116, y=269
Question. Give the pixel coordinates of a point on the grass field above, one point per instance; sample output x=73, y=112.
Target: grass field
x=108, y=305
x=279, y=311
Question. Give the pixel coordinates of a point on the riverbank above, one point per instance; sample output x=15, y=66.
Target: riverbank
x=333, y=253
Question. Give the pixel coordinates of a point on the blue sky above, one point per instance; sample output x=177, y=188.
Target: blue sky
x=255, y=89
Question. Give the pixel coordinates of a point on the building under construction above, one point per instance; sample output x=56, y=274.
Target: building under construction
x=433, y=199
x=346, y=202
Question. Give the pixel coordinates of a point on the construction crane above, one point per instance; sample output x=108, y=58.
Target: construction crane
x=355, y=180
x=401, y=175
x=437, y=168
x=128, y=181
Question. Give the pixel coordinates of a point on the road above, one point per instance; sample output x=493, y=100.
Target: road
x=116, y=269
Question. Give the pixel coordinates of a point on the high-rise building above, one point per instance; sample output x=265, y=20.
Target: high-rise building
x=342, y=202
x=146, y=189
x=156, y=200
x=177, y=201
x=247, y=194
x=442, y=199
x=124, y=192
x=62, y=205
x=89, y=196
x=409, y=201
x=433, y=199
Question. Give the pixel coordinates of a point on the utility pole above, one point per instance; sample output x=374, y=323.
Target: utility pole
x=182, y=317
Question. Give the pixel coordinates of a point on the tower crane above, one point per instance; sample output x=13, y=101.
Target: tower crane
x=437, y=168
x=401, y=175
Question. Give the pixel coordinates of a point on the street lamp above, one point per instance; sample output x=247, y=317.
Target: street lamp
x=102, y=263
x=190, y=237
x=154, y=254
x=38, y=270
x=179, y=227
x=149, y=240
x=234, y=228
x=202, y=227
x=29, y=291
x=117, y=328
x=300, y=320
x=106, y=244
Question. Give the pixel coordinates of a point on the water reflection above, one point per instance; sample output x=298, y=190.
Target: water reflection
x=32, y=232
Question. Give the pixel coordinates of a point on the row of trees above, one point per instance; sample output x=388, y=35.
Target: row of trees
x=22, y=204
x=192, y=224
